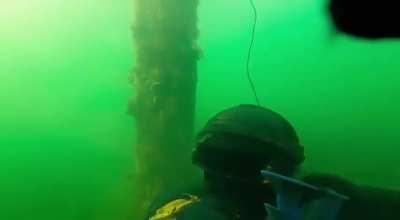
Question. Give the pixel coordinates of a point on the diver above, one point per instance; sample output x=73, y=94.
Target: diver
x=235, y=150
x=232, y=149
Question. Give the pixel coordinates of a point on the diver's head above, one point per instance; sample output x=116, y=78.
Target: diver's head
x=242, y=140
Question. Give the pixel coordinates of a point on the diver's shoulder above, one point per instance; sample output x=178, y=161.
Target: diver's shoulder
x=173, y=197
x=173, y=207
x=186, y=207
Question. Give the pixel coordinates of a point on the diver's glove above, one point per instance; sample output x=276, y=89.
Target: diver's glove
x=297, y=200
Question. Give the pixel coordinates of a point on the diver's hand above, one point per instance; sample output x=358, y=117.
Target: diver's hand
x=323, y=204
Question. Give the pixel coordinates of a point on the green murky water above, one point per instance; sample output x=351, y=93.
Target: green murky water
x=66, y=140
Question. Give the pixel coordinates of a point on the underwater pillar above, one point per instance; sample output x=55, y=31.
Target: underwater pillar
x=164, y=81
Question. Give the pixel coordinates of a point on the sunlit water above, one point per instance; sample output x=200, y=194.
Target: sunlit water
x=67, y=142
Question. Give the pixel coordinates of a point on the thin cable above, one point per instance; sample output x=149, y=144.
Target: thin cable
x=253, y=31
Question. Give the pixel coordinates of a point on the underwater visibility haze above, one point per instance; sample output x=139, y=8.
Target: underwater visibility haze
x=67, y=142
